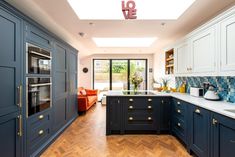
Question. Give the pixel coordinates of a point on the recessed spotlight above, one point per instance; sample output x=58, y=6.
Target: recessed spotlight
x=91, y=24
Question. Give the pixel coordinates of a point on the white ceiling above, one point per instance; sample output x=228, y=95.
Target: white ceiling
x=58, y=17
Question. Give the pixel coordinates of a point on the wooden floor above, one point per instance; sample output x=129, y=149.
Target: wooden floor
x=86, y=138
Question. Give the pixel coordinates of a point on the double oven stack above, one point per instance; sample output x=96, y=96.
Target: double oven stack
x=38, y=80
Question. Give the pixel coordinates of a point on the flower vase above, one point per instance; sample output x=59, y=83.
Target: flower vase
x=135, y=88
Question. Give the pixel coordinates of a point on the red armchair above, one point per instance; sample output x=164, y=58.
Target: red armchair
x=86, y=98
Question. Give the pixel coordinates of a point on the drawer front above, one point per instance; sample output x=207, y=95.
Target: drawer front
x=179, y=112
x=140, y=103
x=140, y=122
x=179, y=128
x=39, y=119
x=178, y=104
x=38, y=136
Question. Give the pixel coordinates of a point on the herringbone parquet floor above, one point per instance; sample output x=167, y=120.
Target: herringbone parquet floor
x=86, y=138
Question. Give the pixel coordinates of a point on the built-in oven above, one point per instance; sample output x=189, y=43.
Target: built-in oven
x=38, y=94
x=38, y=60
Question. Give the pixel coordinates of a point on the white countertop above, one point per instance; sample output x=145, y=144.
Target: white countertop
x=215, y=106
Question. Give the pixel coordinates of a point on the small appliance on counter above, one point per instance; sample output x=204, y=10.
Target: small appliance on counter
x=211, y=94
x=197, y=92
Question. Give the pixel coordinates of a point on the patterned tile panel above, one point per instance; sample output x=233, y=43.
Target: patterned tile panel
x=225, y=85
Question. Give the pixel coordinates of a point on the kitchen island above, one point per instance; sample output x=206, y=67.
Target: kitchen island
x=204, y=127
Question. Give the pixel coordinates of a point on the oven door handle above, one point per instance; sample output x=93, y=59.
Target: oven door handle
x=41, y=84
x=39, y=54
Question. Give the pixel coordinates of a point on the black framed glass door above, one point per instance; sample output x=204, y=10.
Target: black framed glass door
x=114, y=74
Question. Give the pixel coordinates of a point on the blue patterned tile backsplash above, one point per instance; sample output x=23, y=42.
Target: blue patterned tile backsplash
x=225, y=85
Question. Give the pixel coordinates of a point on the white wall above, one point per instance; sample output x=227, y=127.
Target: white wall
x=85, y=79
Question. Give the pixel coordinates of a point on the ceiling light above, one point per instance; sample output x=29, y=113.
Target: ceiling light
x=124, y=42
x=146, y=10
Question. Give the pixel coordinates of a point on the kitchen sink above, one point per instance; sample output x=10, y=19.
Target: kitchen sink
x=233, y=111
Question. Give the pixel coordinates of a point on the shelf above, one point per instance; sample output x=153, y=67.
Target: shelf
x=169, y=66
x=169, y=59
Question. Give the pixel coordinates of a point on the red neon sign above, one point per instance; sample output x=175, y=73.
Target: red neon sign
x=129, y=10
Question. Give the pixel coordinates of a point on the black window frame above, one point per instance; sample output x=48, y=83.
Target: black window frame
x=128, y=71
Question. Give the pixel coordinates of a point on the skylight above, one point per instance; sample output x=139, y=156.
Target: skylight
x=124, y=42
x=146, y=9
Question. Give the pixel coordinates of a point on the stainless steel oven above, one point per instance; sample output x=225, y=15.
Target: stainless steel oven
x=38, y=94
x=38, y=60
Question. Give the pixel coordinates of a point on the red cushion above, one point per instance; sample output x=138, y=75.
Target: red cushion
x=91, y=92
x=91, y=99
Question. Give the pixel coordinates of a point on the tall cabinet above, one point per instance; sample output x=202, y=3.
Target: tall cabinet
x=11, y=85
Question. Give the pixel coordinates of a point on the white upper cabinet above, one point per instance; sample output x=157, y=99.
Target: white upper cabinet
x=202, y=47
x=182, y=58
x=227, y=45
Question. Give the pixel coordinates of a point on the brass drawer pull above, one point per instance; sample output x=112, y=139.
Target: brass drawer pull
x=179, y=111
x=149, y=100
x=130, y=118
x=149, y=118
x=130, y=107
x=41, y=117
x=178, y=124
x=131, y=100
x=178, y=103
x=149, y=107
x=40, y=132
x=214, y=121
x=197, y=111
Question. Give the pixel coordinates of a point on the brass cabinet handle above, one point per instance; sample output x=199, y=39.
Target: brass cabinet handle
x=131, y=100
x=19, y=89
x=214, y=121
x=178, y=124
x=149, y=100
x=178, y=103
x=162, y=101
x=179, y=111
x=197, y=111
x=149, y=107
x=130, y=118
x=40, y=132
x=149, y=118
x=20, y=131
x=40, y=117
x=130, y=107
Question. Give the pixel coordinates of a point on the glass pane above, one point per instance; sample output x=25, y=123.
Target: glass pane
x=101, y=75
x=119, y=75
x=138, y=67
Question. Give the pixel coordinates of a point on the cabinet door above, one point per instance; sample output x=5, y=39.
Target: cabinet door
x=223, y=136
x=60, y=88
x=227, y=44
x=165, y=113
x=183, y=58
x=10, y=81
x=10, y=145
x=203, y=51
x=199, y=131
x=114, y=115
x=72, y=102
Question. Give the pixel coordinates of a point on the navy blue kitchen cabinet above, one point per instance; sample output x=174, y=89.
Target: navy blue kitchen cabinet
x=222, y=136
x=179, y=119
x=37, y=36
x=72, y=106
x=39, y=130
x=60, y=88
x=140, y=114
x=114, y=115
x=11, y=120
x=165, y=114
x=199, y=131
